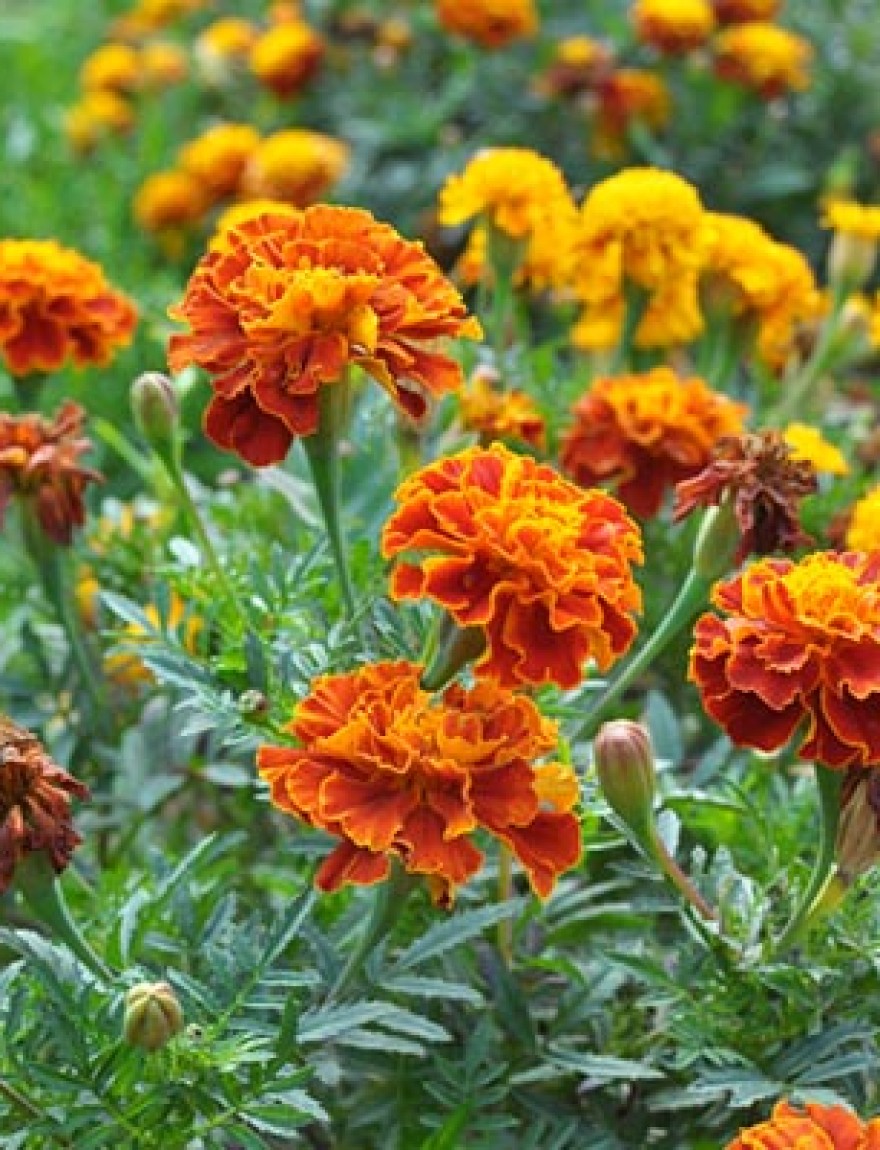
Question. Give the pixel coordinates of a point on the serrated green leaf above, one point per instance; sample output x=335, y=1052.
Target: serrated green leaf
x=452, y=932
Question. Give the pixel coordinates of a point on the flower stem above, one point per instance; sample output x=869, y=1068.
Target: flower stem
x=799, y=390
x=505, y=889
x=816, y=898
x=637, y=299
x=676, y=876
x=455, y=647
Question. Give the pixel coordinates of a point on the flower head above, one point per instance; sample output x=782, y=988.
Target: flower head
x=814, y=1127
x=745, y=11
x=853, y=250
x=758, y=474
x=162, y=64
x=798, y=643
x=57, y=306
x=863, y=530
x=673, y=26
x=217, y=158
x=222, y=49
x=295, y=165
x=286, y=57
x=489, y=23
x=292, y=300
x=764, y=58
x=97, y=115
x=578, y=64
x=112, y=68
x=628, y=96
x=35, y=796
x=170, y=201
x=808, y=443
x=497, y=414
x=509, y=546
x=393, y=771
x=39, y=464
x=647, y=432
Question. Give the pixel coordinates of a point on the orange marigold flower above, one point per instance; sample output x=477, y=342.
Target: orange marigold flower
x=744, y=11
x=508, y=545
x=296, y=165
x=39, y=464
x=243, y=210
x=673, y=26
x=286, y=57
x=577, y=66
x=391, y=770
x=489, y=23
x=759, y=475
x=217, y=158
x=764, y=58
x=170, y=201
x=646, y=432
x=625, y=97
x=35, y=796
x=800, y=641
x=57, y=306
x=291, y=301
x=112, y=68
x=497, y=414
x=815, y=1127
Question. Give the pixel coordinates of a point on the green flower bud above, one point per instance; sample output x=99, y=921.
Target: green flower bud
x=156, y=412
x=624, y=762
x=152, y=1015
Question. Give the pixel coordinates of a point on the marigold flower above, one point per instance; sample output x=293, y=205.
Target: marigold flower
x=222, y=49
x=170, y=201
x=744, y=11
x=97, y=115
x=808, y=443
x=673, y=26
x=291, y=301
x=489, y=23
x=643, y=227
x=542, y=566
x=112, y=68
x=764, y=483
x=863, y=530
x=57, y=306
x=217, y=158
x=800, y=641
x=814, y=1127
x=578, y=64
x=286, y=57
x=392, y=771
x=243, y=210
x=162, y=64
x=626, y=97
x=496, y=414
x=862, y=220
x=39, y=464
x=35, y=796
x=646, y=432
x=853, y=250
x=296, y=165
x=763, y=58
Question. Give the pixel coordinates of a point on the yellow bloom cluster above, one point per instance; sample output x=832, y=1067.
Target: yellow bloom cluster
x=763, y=57
x=863, y=533
x=673, y=26
x=808, y=443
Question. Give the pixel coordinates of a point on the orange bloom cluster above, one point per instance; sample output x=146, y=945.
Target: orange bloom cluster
x=800, y=642
x=764, y=58
x=743, y=11
x=291, y=301
x=815, y=1127
x=497, y=414
x=625, y=97
x=673, y=26
x=39, y=464
x=647, y=432
x=35, y=796
x=489, y=23
x=57, y=306
x=509, y=546
x=393, y=771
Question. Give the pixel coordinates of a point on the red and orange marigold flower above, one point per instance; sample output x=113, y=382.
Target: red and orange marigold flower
x=56, y=306
x=764, y=58
x=813, y=1127
x=291, y=301
x=798, y=643
x=39, y=464
x=507, y=545
x=646, y=432
x=489, y=23
x=393, y=771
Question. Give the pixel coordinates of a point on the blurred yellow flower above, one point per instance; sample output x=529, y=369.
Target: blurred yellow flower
x=162, y=64
x=111, y=68
x=222, y=49
x=295, y=165
x=808, y=443
x=218, y=157
x=286, y=57
x=169, y=201
x=97, y=115
x=764, y=58
x=862, y=220
x=863, y=532
x=673, y=26
x=627, y=97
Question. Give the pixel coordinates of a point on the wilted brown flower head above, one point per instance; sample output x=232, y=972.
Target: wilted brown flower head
x=39, y=463
x=35, y=798
x=756, y=471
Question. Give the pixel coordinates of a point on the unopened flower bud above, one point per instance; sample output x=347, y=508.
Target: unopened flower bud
x=851, y=259
x=857, y=848
x=253, y=703
x=717, y=541
x=152, y=1015
x=156, y=411
x=624, y=760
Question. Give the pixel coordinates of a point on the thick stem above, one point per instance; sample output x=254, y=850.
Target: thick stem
x=456, y=647
x=637, y=299
x=676, y=876
x=815, y=898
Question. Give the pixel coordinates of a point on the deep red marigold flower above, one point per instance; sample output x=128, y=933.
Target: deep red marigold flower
x=647, y=432
x=799, y=642
x=57, y=306
x=765, y=483
x=35, y=796
x=815, y=1127
x=507, y=544
x=292, y=300
x=39, y=464
x=391, y=770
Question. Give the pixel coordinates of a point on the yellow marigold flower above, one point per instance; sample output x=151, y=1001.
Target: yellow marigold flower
x=221, y=51
x=646, y=432
x=625, y=97
x=296, y=165
x=169, y=201
x=673, y=26
x=862, y=220
x=810, y=444
x=874, y=322
x=643, y=227
x=97, y=115
x=497, y=414
x=112, y=68
x=863, y=532
x=162, y=64
x=286, y=57
x=56, y=307
x=743, y=11
x=853, y=249
x=217, y=158
x=161, y=13
x=489, y=23
x=764, y=58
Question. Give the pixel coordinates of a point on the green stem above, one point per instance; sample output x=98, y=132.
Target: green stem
x=676, y=876
x=505, y=890
x=815, y=897
x=690, y=598
x=795, y=402
x=637, y=300
x=455, y=647
x=322, y=452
